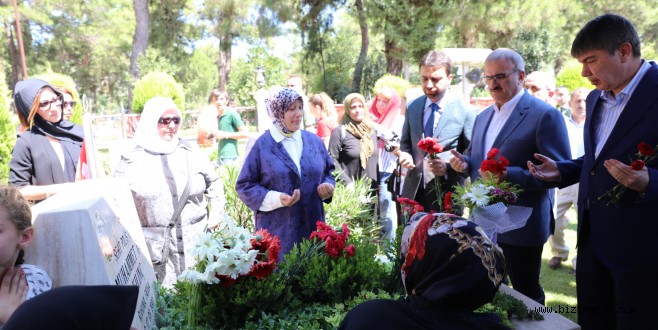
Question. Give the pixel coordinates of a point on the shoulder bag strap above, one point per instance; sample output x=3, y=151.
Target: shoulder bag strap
x=179, y=208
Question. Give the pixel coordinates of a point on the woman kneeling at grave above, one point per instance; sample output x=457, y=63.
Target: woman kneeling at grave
x=450, y=269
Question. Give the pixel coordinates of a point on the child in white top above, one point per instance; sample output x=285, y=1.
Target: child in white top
x=17, y=283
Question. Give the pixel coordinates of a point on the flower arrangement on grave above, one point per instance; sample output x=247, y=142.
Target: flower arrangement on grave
x=227, y=254
x=330, y=267
x=432, y=148
x=645, y=153
x=491, y=200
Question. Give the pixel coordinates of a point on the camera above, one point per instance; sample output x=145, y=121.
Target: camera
x=391, y=140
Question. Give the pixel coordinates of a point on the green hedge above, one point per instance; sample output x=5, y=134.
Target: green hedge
x=8, y=124
x=157, y=84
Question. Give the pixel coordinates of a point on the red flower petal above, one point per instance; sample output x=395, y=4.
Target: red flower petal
x=637, y=165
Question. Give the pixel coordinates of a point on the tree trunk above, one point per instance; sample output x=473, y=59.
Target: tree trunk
x=393, y=56
x=224, y=63
x=14, y=56
x=141, y=36
x=360, y=63
x=140, y=40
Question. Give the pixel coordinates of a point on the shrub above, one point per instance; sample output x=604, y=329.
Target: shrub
x=570, y=77
x=316, y=277
x=316, y=315
x=157, y=84
x=58, y=79
x=355, y=206
x=399, y=84
x=235, y=208
x=229, y=308
x=7, y=132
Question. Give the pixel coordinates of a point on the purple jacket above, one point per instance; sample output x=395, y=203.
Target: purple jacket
x=269, y=167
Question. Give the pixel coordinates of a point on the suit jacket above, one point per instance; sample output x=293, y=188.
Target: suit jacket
x=623, y=236
x=533, y=127
x=269, y=167
x=34, y=161
x=453, y=132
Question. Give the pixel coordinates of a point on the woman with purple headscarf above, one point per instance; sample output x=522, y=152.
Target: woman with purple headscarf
x=287, y=175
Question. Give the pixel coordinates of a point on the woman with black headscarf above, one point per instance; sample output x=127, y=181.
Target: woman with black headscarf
x=46, y=155
x=451, y=268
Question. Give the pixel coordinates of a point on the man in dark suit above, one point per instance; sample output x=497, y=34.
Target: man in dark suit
x=519, y=125
x=449, y=119
x=617, y=247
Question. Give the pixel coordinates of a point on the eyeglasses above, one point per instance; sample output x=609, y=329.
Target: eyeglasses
x=69, y=104
x=168, y=120
x=497, y=77
x=47, y=104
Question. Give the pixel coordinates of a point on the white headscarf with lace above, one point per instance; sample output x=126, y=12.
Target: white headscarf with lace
x=146, y=135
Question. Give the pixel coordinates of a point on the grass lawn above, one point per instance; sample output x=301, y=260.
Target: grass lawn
x=560, y=284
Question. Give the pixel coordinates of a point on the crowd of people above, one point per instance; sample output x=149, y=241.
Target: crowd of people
x=565, y=148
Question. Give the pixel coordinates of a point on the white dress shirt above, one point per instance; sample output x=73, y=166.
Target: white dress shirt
x=294, y=146
x=499, y=119
x=611, y=108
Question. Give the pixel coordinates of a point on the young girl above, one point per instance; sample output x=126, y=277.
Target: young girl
x=16, y=233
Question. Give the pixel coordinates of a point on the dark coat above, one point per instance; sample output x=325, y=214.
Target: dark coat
x=533, y=127
x=623, y=237
x=269, y=167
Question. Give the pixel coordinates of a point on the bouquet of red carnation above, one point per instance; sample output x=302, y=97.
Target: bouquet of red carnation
x=432, y=147
x=493, y=165
x=335, y=241
x=645, y=153
x=268, y=247
x=490, y=200
x=409, y=208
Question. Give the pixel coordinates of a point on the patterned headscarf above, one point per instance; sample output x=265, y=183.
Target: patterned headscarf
x=277, y=103
x=450, y=261
x=361, y=130
x=146, y=135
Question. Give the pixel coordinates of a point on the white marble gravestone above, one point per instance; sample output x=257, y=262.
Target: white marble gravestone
x=91, y=235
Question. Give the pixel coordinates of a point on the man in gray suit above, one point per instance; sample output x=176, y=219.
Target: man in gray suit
x=435, y=114
x=519, y=125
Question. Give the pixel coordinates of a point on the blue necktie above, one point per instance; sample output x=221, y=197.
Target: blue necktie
x=429, y=126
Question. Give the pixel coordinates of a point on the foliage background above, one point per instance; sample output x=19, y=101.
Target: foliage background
x=199, y=42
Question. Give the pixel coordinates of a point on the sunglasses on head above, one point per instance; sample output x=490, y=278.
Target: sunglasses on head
x=168, y=120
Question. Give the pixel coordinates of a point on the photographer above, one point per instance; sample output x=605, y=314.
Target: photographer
x=385, y=112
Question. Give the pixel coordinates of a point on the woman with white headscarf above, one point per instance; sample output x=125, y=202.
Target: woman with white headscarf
x=160, y=170
x=287, y=174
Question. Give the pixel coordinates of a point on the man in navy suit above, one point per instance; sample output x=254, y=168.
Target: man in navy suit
x=617, y=247
x=449, y=119
x=519, y=125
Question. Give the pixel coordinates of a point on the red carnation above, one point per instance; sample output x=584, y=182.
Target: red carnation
x=349, y=251
x=492, y=153
x=637, y=165
x=437, y=148
x=645, y=149
x=447, y=202
x=493, y=165
x=504, y=162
